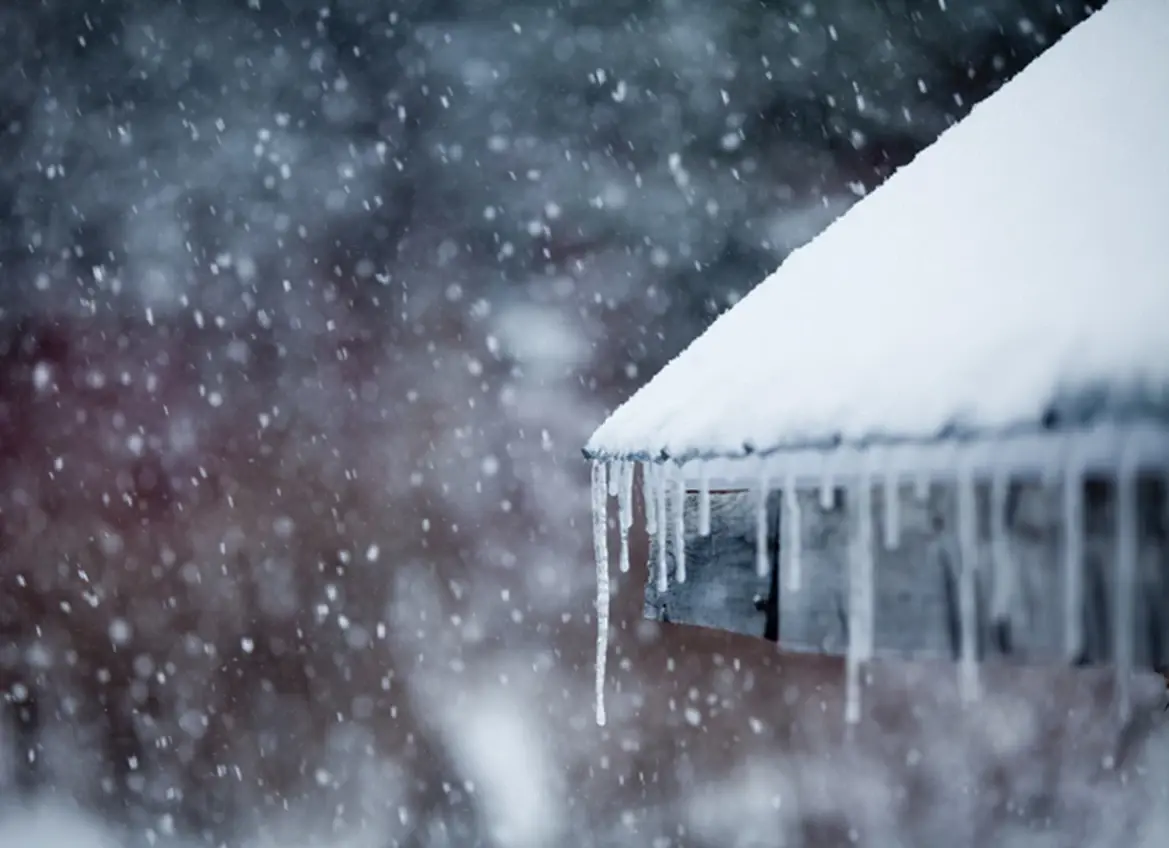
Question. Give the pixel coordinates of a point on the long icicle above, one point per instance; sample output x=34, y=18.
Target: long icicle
x=704, y=500
x=1074, y=558
x=680, y=527
x=1003, y=571
x=968, y=563
x=865, y=555
x=601, y=555
x=663, y=526
x=860, y=594
x=649, y=501
x=625, y=513
x=762, y=526
x=1126, y=577
x=794, y=541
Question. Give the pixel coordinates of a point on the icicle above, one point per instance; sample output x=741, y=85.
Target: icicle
x=762, y=527
x=648, y=500
x=601, y=554
x=968, y=621
x=1003, y=568
x=827, y=490
x=680, y=527
x=615, y=473
x=861, y=600
x=1123, y=598
x=662, y=525
x=625, y=513
x=704, y=501
x=922, y=485
x=793, y=541
x=865, y=559
x=1074, y=558
x=892, y=512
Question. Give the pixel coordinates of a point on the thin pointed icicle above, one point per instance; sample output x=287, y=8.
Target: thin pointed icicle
x=892, y=514
x=968, y=621
x=625, y=513
x=601, y=555
x=1073, y=520
x=1003, y=567
x=704, y=501
x=794, y=543
x=861, y=607
x=762, y=526
x=662, y=527
x=865, y=559
x=1126, y=577
x=648, y=499
x=680, y=527
x=615, y=473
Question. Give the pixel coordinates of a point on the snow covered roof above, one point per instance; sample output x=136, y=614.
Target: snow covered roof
x=1012, y=278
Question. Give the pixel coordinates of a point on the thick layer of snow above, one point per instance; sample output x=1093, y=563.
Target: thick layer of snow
x=1019, y=261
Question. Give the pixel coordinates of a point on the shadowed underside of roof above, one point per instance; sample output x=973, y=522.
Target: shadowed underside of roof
x=1012, y=279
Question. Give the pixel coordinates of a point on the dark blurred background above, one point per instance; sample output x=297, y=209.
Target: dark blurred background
x=305, y=311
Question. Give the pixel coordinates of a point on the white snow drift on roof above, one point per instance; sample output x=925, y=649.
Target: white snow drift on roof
x=1020, y=258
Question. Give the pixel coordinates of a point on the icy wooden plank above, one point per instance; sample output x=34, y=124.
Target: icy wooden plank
x=722, y=588
x=915, y=614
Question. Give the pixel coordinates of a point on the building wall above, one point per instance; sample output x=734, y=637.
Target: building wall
x=916, y=582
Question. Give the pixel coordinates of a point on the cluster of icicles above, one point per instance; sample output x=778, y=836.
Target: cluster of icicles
x=615, y=479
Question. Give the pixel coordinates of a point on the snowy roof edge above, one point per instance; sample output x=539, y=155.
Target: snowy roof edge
x=1157, y=415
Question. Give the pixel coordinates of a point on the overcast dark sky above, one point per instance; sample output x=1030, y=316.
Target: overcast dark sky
x=217, y=146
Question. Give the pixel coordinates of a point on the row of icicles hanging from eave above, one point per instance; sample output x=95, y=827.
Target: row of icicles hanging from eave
x=615, y=479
